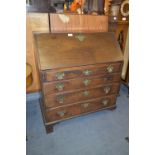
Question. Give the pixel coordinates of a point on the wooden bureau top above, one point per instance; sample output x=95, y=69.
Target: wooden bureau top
x=59, y=50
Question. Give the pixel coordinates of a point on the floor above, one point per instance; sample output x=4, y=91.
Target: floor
x=100, y=133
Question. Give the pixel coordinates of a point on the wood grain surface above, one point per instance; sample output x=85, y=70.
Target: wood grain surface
x=54, y=100
x=81, y=83
x=70, y=51
x=78, y=109
x=35, y=22
x=39, y=22
x=30, y=57
x=78, y=23
x=77, y=72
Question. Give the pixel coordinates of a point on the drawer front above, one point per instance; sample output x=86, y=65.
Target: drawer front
x=83, y=71
x=77, y=109
x=60, y=99
x=80, y=83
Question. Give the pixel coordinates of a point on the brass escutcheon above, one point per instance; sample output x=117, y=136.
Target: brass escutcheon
x=59, y=86
x=105, y=102
x=80, y=37
x=87, y=72
x=86, y=82
x=107, y=90
x=61, y=113
x=60, y=75
x=86, y=93
x=60, y=99
x=85, y=105
x=110, y=69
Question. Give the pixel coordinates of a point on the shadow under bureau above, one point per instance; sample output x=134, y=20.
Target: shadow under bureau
x=79, y=74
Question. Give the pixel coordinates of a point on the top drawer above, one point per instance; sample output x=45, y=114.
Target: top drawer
x=82, y=71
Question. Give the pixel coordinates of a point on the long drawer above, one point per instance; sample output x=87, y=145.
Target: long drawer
x=82, y=71
x=80, y=83
x=81, y=108
x=59, y=99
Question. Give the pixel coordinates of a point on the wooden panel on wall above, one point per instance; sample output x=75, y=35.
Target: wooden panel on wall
x=39, y=22
x=121, y=29
x=30, y=57
x=35, y=22
x=60, y=23
x=121, y=34
x=122, y=26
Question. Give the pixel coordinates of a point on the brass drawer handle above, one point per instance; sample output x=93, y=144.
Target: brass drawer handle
x=105, y=102
x=86, y=93
x=59, y=86
x=85, y=105
x=86, y=82
x=110, y=69
x=87, y=72
x=107, y=90
x=61, y=113
x=60, y=99
x=60, y=75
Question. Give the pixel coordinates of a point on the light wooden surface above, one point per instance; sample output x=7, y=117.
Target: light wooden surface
x=39, y=22
x=78, y=23
x=56, y=50
x=126, y=58
x=30, y=48
x=124, y=26
x=30, y=57
x=29, y=78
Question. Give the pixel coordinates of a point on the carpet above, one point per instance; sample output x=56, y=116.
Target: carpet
x=99, y=133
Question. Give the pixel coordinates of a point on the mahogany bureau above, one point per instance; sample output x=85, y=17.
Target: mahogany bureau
x=79, y=74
